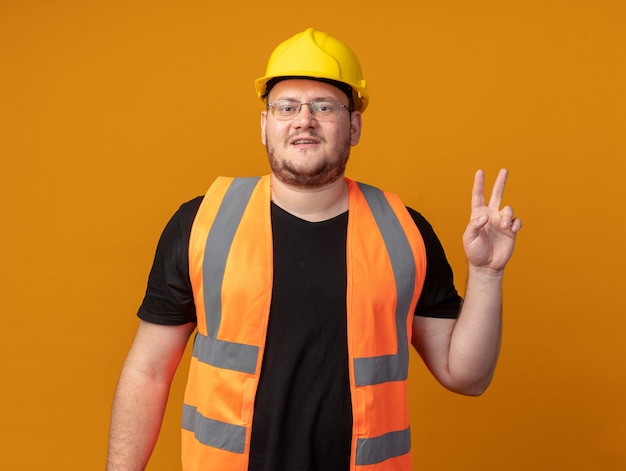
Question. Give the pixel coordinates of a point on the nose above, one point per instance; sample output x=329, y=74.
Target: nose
x=305, y=117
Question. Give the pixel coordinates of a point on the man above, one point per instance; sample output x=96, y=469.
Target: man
x=305, y=289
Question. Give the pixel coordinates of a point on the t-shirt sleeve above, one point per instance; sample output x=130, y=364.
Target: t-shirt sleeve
x=169, y=296
x=439, y=296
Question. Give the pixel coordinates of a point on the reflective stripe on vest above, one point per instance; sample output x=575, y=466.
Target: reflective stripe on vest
x=378, y=449
x=243, y=358
x=375, y=370
x=227, y=437
x=208, y=349
x=381, y=369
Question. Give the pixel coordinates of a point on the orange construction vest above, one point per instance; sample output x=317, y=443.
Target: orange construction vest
x=231, y=269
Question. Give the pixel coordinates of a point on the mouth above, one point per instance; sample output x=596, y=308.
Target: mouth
x=300, y=141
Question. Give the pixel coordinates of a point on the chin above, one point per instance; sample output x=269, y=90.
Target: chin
x=321, y=175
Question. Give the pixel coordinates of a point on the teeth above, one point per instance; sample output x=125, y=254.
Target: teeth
x=305, y=141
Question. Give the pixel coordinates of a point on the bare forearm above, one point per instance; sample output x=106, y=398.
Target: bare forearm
x=138, y=410
x=475, y=340
x=142, y=393
x=462, y=354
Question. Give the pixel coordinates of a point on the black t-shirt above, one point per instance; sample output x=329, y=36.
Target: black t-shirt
x=303, y=414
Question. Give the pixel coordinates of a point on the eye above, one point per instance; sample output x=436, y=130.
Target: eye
x=324, y=107
x=287, y=107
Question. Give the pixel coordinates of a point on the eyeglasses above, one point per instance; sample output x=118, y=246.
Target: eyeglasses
x=325, y=110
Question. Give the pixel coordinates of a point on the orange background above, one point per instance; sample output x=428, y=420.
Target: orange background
x=113, y=113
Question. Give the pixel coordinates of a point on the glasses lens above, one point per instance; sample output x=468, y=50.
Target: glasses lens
x=325, y=109
x=321, y=110
x=286, y=108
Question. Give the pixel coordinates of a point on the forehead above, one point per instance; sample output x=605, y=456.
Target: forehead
x=304, y=89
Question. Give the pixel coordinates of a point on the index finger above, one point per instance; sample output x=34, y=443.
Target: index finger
x=478, y=190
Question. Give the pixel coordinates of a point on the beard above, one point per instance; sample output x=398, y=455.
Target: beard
x=323, y=172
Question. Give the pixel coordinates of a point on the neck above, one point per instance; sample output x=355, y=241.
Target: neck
x=311, y=204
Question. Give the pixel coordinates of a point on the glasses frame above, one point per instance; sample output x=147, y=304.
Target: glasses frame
x=315, y=113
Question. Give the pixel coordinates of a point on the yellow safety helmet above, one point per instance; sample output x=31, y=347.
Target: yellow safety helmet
x=316, y=55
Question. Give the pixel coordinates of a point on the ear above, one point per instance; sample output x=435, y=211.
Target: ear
x=263, y=124
x=356, y=123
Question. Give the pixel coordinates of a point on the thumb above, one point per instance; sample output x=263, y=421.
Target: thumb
x=478, y=222
x=475, y=225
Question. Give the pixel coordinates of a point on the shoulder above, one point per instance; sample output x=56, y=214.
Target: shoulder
x=189, y=209
x=178, y=228
x=422, y=224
